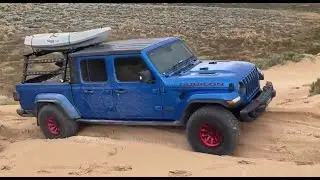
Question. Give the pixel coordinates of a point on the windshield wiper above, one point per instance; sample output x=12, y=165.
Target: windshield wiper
x=174, y=68
x=178, y=65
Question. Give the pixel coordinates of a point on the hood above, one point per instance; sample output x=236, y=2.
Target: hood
x=213, y=74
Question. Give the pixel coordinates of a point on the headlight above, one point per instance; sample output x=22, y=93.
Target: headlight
x=241, y=88
x=261, y=75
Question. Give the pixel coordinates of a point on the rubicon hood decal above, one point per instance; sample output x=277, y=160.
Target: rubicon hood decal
x=202, y=84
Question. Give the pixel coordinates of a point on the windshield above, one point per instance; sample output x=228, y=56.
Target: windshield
x=165, y=57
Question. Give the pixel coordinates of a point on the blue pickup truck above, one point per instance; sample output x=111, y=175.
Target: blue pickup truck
x=154, y=81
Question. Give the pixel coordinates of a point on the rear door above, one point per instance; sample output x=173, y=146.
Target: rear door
x=93, y=92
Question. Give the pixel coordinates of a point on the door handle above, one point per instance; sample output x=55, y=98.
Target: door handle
x=88, y=91
x=121, y=91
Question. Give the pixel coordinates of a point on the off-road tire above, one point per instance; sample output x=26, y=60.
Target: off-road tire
x=221, y=119
x=67, y=126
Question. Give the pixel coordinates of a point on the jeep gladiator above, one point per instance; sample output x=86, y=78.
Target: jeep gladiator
x=156, y=81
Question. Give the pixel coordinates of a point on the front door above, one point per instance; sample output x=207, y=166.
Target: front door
x=135, y=99
x=93, y=92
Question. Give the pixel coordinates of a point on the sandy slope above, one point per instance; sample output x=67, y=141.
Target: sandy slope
x=285, y=141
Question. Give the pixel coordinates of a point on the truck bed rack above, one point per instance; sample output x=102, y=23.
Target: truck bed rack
x=62, y=63
x=37, y=61
x=55, y=72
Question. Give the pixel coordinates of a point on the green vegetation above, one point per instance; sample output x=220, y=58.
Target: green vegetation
x=315, y=88
x=275, y=59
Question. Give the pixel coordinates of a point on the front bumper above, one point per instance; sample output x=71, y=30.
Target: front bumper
x=258, y=105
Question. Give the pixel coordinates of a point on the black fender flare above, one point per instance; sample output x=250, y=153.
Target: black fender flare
x=220, y=102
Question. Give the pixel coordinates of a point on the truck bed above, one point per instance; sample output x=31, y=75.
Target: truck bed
x=29, y=91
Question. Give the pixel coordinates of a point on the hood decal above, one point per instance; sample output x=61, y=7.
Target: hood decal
x=202, y=84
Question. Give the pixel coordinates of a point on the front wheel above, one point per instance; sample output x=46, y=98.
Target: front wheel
x=213, y=130
x=55, y=124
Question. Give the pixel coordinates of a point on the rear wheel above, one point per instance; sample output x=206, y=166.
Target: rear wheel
x=55, y=124
x=213, y=130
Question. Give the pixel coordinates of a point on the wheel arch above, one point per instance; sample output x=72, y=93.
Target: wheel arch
x=60, y=101
x=194, y=105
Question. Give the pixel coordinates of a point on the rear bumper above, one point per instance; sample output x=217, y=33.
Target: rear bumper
x=24, y=113
x=258, y=105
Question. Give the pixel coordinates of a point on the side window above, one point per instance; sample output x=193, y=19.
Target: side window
x=93, y=70
x=127, y=68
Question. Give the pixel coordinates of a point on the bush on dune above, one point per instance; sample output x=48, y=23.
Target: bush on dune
x=315, y=88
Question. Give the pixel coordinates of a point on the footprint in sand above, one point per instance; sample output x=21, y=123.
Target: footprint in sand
x=3, y=138
x=43, y=172
x=286, y=101
x=305, y=85
x=113, y=152
x=245, y=162
x=301, y=163
x=84, y=169
x=5, y=168
x=122, y=168
x=179, y=173
x=2, y=147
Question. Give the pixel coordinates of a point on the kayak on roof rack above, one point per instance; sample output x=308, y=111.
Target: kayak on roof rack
x=67, y=40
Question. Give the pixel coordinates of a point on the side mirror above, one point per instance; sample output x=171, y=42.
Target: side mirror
x=145, y=76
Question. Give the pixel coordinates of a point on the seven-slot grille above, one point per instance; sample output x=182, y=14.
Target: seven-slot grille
x=251, y=83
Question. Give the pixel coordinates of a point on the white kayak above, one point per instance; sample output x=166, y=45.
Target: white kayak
x=68, y=40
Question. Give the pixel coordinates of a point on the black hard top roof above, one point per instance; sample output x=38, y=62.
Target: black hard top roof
x=119, y=47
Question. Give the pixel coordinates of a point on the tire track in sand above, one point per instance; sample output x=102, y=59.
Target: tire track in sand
x=277, y=135
x=282, y=136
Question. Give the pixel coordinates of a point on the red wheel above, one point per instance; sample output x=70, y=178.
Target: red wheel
x=53, y=125
x=210, y=136
x=213, y=129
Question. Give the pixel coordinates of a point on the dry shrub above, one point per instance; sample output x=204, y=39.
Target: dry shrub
x=315, y=88
x=7, y=69
x=4, y=100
